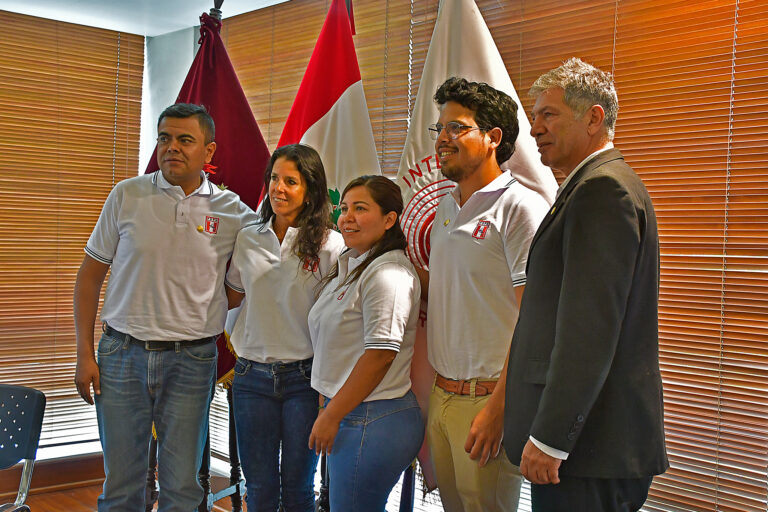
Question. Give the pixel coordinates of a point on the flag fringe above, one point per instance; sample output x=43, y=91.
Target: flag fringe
x=226, y=380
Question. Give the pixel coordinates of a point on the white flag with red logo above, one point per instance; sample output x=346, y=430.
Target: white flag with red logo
x=330, y=112
x=461, y=46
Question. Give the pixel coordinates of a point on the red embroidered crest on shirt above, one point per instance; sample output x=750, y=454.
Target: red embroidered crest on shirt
x=211, y=224
x=311, y=265
x=481, y=229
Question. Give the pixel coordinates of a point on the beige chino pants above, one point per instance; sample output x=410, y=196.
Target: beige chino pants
x=464, y=486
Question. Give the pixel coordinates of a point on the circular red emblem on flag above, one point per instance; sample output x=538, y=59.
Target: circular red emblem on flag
x=418, y=216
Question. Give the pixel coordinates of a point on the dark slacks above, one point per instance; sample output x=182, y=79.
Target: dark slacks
x=574, y=494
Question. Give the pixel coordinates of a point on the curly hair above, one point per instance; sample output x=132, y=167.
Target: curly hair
x=492, y=108
x=386, y=194
x=584, y=86
x=313, y=222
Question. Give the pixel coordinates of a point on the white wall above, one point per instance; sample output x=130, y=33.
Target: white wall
x=167, y=59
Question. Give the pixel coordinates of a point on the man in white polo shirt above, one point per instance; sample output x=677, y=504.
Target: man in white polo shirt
x=167, y=237
x=479, y=242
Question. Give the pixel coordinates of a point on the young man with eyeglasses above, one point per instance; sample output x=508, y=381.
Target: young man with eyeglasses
x=167, y=236
x=479, y=243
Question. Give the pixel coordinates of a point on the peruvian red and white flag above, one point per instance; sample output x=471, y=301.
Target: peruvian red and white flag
x=461, y=46
x=330, y=112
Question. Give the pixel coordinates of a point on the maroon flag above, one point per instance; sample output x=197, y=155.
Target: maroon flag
x=241, y=152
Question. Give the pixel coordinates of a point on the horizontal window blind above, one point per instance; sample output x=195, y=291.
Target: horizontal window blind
x=270, y=49
x=692, y=86
x=693, y=92
x=71, y=99
x=678, y=67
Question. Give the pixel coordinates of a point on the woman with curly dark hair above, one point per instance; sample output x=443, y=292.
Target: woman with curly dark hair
x=277, y=264
x=363, y=326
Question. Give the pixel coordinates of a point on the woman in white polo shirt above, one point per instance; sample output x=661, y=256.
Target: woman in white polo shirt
x=363, y=326
x=277, y=265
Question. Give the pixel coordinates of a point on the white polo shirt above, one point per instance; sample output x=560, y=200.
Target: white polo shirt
x=279, y=290
x=378, y=311
x=478, y=255
x=168, y=254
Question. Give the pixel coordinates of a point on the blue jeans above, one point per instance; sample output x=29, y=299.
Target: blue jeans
x=173, y=388
x=376, y=441
x=274, y=405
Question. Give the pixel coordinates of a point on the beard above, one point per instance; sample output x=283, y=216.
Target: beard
x=454, y=172
x=457, y=172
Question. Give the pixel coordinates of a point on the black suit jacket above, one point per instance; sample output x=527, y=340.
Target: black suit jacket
x=583, y=373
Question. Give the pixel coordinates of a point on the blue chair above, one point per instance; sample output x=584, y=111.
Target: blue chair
x=21, y=418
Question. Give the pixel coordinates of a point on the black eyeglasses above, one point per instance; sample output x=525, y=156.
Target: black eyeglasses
x=452, y=129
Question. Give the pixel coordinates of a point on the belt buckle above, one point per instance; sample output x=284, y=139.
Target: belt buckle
x=148, y=345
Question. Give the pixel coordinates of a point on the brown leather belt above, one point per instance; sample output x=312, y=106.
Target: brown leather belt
x=463, y=387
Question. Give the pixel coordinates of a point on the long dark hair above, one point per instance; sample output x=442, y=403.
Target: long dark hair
x=313, y=221
x=386, y=194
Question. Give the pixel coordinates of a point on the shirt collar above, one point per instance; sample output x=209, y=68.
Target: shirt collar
x=568, y=179
x=269, y=226
x=501, y=181
x=206, y=188
x=349, y=260
x=264, y=227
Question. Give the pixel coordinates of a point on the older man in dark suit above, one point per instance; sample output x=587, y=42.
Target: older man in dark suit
x=584, y=412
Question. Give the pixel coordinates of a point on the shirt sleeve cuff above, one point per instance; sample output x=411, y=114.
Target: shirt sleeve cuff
x=98, y=257
x=382, y=345
x=238, y=289
x=552, y=452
